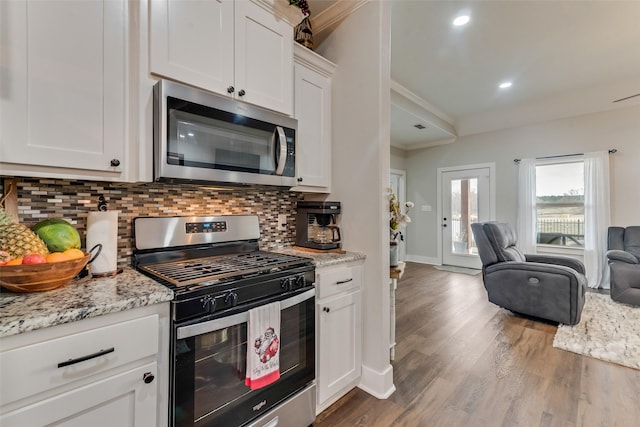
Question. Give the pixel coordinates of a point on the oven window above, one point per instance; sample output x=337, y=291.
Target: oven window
x=210, y=371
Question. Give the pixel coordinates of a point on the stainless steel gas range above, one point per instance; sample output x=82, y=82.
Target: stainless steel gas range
x=218, y=273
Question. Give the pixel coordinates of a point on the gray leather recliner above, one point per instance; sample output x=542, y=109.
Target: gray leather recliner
x=548, y=287
x=624, y=264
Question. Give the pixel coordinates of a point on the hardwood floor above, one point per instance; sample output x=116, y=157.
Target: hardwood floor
x=462, y=361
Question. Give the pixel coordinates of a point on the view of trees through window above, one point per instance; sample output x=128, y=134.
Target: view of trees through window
x=560, y=204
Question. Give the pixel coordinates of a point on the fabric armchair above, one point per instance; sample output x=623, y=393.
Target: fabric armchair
x=548, y=287
x=624, y=264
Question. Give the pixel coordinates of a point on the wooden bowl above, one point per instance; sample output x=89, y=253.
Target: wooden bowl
x=40, y=277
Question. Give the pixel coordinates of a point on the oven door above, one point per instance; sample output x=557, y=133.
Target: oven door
x=210, y=359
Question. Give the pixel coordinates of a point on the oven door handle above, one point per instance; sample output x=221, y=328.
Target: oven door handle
x=236, y=319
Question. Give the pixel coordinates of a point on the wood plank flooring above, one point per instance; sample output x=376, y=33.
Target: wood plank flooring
x=462, y=361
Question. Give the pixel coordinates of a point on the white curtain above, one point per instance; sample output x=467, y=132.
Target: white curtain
x=527, y=217
x=596, y=217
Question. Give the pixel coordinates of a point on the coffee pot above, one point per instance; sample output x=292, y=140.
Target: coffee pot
x=316, y=225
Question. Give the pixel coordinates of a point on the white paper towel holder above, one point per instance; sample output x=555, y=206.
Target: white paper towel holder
x=98, y=248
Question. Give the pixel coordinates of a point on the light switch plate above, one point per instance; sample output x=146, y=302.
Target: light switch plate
x=282, y=222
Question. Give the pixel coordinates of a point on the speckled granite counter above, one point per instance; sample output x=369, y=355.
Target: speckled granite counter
x=324, y=259
x=78, y=300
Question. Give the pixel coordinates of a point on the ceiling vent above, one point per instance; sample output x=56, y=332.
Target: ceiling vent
x=419, y=126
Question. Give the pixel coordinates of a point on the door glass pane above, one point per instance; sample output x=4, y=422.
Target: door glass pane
x=464, y=211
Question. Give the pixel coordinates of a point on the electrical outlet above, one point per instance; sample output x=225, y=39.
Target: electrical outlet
x=282, y=222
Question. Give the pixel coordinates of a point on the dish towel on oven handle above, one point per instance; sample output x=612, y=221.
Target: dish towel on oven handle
x=263, y=346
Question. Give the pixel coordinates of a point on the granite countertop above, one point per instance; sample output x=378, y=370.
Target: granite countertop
x=323, y=259
x=92, y=297
x=89, y=297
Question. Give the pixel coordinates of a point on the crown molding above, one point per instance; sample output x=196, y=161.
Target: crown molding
x=335, y=13
x=406, y=93
x=312, y=60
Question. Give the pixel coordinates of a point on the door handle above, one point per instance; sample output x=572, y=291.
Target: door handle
x=281, y=151
x=87, y=357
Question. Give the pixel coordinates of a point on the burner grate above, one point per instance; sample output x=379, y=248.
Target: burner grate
x=211, y=269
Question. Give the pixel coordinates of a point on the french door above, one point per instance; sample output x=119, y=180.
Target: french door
x=467, y=196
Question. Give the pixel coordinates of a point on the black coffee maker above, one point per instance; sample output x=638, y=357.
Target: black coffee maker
x=316, y=225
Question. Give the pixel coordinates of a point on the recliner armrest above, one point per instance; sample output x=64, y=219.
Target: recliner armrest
x=557, y=260
x=623, y=256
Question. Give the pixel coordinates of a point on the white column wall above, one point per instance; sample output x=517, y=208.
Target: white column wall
x=360, y=46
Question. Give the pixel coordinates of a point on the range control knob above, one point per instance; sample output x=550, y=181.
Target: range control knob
x=287, y=283
x=300, y=281
x=208, y=303
x=231, y=299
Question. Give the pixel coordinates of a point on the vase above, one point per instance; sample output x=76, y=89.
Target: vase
x=393, y=254
x=303, y=34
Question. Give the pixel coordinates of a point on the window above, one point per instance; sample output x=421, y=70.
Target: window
x=560, y=203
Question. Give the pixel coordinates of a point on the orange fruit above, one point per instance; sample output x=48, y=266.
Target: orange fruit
x=15, y=261
x=57, y=257
x=73, y=253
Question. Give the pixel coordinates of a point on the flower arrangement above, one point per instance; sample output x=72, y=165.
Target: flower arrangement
x=302, y=4
x=398, y=219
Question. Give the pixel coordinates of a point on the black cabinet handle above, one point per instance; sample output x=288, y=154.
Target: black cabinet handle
x=231, y=89
x=326, y=309
x=341, y=282
x=87, y=357
x=148, y=377
x=242, y=92
x=300, y=179
x=115, y=163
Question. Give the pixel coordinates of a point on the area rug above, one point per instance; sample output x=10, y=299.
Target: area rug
x=471, y=271
x=608, y=331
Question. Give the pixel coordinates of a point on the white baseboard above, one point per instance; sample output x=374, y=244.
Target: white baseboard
x=378, y=384
x=423, y=259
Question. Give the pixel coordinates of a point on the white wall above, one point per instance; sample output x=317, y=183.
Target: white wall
x=618, y=129
x=398, y=159
x=360, y=170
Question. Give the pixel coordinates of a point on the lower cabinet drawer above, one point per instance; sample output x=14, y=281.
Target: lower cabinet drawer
x=331, y=281
x=46, y=365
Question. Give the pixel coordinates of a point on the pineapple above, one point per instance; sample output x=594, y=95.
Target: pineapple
x=18, y=239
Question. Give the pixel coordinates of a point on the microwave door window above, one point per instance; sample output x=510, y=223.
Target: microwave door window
x=205, y=142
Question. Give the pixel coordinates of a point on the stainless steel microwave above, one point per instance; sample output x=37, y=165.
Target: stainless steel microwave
x=207, y=138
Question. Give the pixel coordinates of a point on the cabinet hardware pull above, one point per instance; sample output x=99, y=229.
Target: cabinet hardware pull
x=87, y=357
x=231, y=89
x=326, y=309
x=341, y=282
x=148, y=377
x=115, y=163
x=242, y=92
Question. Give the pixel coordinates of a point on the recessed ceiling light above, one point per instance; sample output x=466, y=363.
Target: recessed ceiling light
x=505, y=85
x=461, y=20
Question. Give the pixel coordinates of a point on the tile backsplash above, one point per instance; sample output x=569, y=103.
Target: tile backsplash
x=40, y=199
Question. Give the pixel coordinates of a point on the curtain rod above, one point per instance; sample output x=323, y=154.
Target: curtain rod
x=517, y=161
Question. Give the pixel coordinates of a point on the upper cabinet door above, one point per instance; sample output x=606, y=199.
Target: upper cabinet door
x=192, y=42
x=263, y=58
x=64, y=81
x=238, y=49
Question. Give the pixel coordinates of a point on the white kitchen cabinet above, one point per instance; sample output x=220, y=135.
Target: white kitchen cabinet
x=104, y=371
x=64, y=108
x=339, y=332
x=312, y=88
x=123, y=400
x=236, y=48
